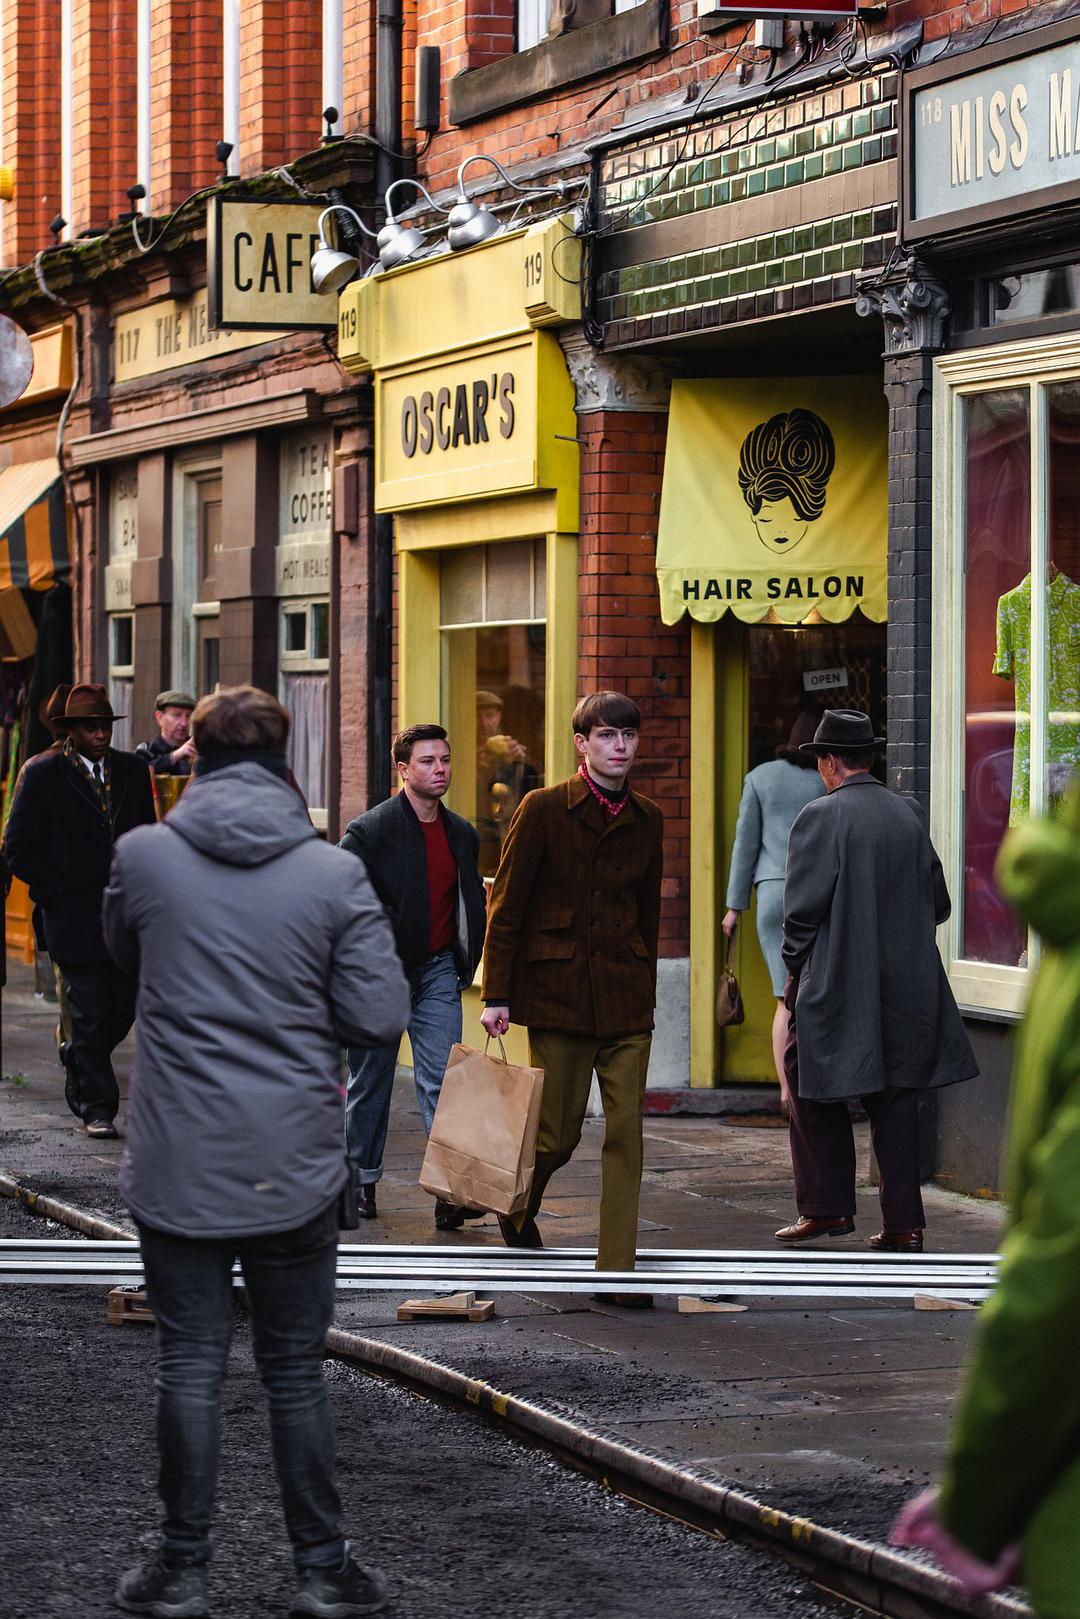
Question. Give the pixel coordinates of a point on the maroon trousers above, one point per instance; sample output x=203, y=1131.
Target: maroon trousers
x=823, y=1151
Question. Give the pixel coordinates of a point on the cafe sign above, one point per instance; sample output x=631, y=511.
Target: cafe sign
x=992, y=133
x=258, y=265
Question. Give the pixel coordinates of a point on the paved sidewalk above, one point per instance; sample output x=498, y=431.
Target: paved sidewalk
x=836, y=1413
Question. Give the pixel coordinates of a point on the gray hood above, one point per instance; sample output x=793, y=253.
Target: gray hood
x=242, y=815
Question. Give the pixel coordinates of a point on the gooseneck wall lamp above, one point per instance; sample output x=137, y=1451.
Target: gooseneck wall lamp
x=471, y=223
x=332, y=269
x=397, y=242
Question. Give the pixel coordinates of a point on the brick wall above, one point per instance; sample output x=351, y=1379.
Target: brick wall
x=185, y=97
x=31, y=68
x=583, y=111
x=280, y=81
x=623, y=644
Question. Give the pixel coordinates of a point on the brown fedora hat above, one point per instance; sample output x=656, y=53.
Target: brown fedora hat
x=88, y=702
x=51, y=711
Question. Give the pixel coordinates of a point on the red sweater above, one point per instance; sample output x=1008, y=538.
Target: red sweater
x=442, y=880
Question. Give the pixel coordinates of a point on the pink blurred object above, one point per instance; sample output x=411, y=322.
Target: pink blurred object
x=918, y=1525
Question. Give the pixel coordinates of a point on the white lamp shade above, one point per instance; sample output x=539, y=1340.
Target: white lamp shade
x=331, y=269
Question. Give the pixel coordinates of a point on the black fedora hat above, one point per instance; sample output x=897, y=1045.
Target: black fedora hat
x=843, y=730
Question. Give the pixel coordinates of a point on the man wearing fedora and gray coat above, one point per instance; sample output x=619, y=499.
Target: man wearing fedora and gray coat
x=71, y=807
x=873, y=1016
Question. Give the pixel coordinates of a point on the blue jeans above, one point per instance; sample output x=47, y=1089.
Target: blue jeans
x=290, y=1281
x=434, y=1026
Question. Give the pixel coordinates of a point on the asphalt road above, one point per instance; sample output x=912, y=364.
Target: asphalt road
x=464, y=1521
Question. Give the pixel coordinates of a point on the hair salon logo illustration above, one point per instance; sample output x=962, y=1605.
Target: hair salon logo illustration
x=784, y=467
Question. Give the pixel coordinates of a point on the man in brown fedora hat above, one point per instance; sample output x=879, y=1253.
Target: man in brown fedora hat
x=71, y=807
x=872, y=1014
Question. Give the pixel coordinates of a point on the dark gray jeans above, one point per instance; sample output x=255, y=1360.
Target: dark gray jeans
x=290, y=1281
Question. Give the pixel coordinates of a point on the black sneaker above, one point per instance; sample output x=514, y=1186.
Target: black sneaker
x=71, y=1077
x=165, y=1591
x=329, y=1593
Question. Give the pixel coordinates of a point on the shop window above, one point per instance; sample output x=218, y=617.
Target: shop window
x=305, y=690
x=494, y=668
x=121, y=630
x=1007, y=735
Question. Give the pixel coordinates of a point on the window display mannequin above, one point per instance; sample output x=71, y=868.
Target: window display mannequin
x=1012, y=661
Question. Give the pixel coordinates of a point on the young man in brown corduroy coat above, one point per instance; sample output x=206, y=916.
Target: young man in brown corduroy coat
x=570, y=952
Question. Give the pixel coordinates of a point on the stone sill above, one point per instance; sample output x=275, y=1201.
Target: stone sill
x=614, y=42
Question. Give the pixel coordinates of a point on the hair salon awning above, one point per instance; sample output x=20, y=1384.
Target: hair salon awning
x=34, y=546
x=775, y=500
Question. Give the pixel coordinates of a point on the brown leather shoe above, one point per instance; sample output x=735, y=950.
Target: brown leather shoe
x=898, y=1242
x=807, y=1228
x=527, y=1237
x=626, y=1301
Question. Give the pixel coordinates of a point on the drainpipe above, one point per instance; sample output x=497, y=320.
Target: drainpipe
x=381, y=554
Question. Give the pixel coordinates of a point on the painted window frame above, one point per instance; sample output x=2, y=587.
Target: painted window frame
x=1033, y=364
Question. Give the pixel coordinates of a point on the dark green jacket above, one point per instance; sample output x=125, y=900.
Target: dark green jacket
x=1014, y=1466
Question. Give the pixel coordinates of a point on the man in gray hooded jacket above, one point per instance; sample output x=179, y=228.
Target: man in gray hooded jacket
x=259, y=951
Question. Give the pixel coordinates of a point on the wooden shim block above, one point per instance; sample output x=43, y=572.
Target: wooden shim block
x=689, y=1305
x=934, y=1301
x=455, y=1307
x=127, y=1304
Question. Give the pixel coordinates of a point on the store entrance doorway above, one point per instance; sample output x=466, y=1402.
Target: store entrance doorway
x=785, y=669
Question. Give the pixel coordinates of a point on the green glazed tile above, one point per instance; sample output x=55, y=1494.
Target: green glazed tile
x=729, y=256
x=804, y=238
x=702, y=197
x=737, y=282
x=860, y=124
x=823, y=135
x=793, y=172
x=746, y=157
x=871, y=149
x=711, y=168
x=813, y=166
x=793, y=270
x=834, y=161
x=774, y=274
x=804, y=142
x=764, y=249
x=650, y=302
x=888, y=144
x=842, y=129
x=785, y=146
x=766, y=152
x=774, y=178
x=853, y=256
x=832, y=260
x=842, y=229
x=695, y=264
x=755, y=183
x=863, y=224
x=755, y=278
x=730, y=162
x=684, y=202
x=747, y=252
x=853, y=155
x=721, y=193
x=738, y=188
x=784, y=243
x=882, y=119
x=812, y=266
x=823, y=233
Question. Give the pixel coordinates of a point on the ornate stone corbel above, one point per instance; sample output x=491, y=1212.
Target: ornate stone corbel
x=911, y=300
x=613, y=381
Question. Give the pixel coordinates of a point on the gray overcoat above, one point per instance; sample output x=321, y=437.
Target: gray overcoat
x=863, y=894
x=259, y=952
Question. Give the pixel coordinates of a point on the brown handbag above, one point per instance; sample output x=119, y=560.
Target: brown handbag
x=729, y=1006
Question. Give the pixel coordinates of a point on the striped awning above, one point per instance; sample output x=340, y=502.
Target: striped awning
x=35, y=549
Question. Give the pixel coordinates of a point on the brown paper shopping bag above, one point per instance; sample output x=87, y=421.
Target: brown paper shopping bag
x=482, y=1149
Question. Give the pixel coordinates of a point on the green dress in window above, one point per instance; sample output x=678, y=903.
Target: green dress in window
x=1013, y=662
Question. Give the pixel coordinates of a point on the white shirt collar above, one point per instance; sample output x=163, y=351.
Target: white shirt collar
x=91, y=764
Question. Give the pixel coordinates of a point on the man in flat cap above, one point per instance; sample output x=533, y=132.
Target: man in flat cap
x=172, y=752
x=872, y=1013
x=70, y=809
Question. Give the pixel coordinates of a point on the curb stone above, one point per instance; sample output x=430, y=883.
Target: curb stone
x=857, y=1568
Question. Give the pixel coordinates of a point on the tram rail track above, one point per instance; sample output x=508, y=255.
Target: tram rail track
x=871, y=1576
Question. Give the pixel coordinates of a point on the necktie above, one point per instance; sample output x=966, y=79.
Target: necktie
x=98, y=778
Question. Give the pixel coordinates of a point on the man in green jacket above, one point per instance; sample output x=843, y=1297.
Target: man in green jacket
x=1012, y=1481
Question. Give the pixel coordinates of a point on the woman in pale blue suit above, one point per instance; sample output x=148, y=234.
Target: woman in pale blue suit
x=773, y=794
